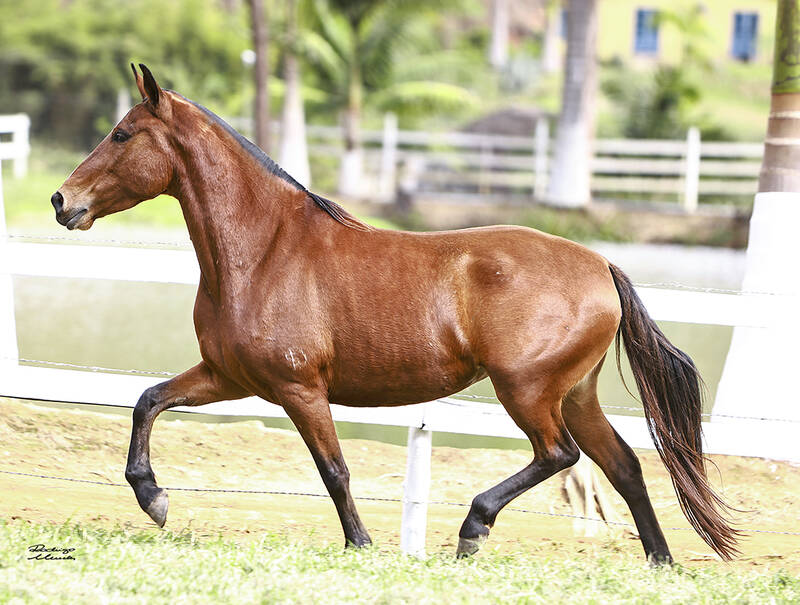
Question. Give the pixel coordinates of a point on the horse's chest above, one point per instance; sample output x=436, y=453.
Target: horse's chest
x=263, y=346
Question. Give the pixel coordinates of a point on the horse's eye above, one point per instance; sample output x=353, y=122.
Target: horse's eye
x=120, y=136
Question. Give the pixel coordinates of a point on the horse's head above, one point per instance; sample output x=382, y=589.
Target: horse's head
x=132, y=164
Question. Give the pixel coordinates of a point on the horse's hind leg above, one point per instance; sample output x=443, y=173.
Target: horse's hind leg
x=197, y=386
x=536, y=410
x=597, y=438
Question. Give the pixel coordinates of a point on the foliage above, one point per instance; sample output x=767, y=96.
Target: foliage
x=130, y=566
x=63, y=62
x=662, y=103
x=358, y=52
x=654, y=106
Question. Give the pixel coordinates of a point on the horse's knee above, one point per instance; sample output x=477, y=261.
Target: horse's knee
x=147, y=401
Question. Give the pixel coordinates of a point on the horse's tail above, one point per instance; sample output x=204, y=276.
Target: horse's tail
x=672, y=396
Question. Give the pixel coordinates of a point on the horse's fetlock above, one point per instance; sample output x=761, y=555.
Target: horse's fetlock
x=336, y=477
x=137, y=475
x=482, y=510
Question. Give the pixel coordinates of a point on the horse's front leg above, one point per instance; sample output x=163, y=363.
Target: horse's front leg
x=310, y=412
x=196, y=386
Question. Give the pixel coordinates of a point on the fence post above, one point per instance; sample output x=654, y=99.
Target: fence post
x=541, y=145
x=9, y=355
x=415, y=492
x=21, y=139
x=484, y=185
x=692, y=171
x=387, y=181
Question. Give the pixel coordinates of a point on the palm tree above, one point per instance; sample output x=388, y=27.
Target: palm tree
x=780, y=168
x=551, y=44
x=498, y=44
x=352, y=49
x=260, y=34
x=571, y=173
x=294, y=150
x=750, y=380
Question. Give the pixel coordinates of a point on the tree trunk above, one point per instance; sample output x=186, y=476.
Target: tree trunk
x=294, y=150
x=258, y=19
x=758, y=377
x=551, y=47
x=498, y=46
x=570, y=177
x=780, y=168
x=351, y=170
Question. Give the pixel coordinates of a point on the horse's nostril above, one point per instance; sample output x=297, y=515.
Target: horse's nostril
x=57, y=200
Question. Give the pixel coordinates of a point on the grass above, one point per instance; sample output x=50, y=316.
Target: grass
x=124, y=566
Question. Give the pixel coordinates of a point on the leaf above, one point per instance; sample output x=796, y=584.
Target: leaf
x=424, y=95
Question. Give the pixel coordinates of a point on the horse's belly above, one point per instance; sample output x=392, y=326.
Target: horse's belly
x=404, y=385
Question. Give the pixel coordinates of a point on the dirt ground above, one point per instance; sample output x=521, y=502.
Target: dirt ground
x=92, y=445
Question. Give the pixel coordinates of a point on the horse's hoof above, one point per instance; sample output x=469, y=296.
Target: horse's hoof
x=158, y=508
x=660, y=560
x=469, y=546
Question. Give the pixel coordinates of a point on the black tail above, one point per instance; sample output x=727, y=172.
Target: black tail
x=672, y=397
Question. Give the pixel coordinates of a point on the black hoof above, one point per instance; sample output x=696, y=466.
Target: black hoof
x=469, y=546
x=662, y=560
x=153, y=500
x=158, y=508
x=360, y=543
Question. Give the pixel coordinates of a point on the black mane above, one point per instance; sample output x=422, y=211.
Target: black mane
x=332, y=208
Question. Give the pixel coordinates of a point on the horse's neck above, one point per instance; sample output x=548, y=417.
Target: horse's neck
x=233, y=211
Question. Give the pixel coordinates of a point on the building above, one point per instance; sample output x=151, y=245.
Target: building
x=735, y=30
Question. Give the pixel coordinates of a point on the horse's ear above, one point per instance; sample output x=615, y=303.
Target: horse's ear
x=139, y=82
x=151, y=89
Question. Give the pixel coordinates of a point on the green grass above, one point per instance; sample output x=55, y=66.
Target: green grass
x=122, y=566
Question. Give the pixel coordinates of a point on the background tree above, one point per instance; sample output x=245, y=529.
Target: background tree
x=780, y=168
x=498, y=42
x=353, y=47
x=551, y=43
x=64, y=65
x=571, y=173
x=258, y=23
x=294, y=149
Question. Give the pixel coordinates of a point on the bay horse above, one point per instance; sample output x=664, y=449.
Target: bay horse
x=303, y=305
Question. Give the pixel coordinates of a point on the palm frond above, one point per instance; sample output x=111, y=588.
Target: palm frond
x=423, y=96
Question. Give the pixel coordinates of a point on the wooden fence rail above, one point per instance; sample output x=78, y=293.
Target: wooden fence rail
x=18, y=148
x=687, y=171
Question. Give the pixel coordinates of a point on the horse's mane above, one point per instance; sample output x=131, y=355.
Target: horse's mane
x=332, y=208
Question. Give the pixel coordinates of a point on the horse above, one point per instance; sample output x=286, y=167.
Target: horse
x=302, y=304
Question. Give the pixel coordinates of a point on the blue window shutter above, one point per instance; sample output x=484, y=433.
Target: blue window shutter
x=745, y=34
x=646, y=40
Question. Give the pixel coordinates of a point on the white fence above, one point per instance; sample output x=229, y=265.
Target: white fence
x=18, y=148
x=468, y=165
x=744, y=436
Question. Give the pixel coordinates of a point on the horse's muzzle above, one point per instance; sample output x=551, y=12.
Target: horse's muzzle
x=71, y=219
